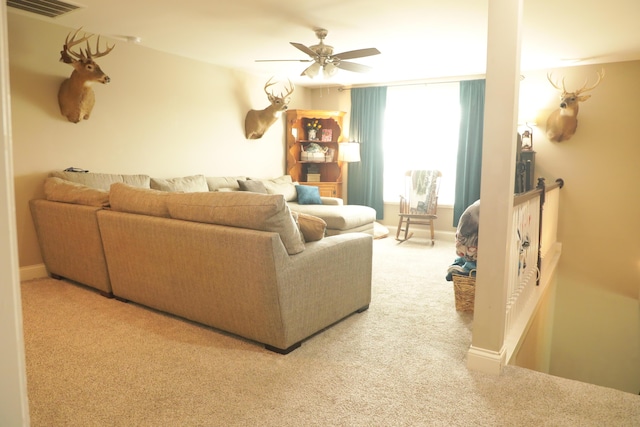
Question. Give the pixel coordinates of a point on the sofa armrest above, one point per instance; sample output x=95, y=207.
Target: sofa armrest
x=326, y=282
x=332, y=201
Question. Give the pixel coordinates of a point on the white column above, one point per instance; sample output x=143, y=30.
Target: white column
x=487, y=352
x=14, y=408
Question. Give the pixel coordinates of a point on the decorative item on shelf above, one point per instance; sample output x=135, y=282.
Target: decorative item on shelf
x=328, y=157
x=326, y=135
x=312, y=130
x=349, y=152
x=313, y=173
x=313, y=153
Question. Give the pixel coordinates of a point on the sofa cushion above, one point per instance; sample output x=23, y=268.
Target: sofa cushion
x=311, y=227
x=264, y=212
x=308, y=195
x=253, y=186
x=229, y=183
x=142, y=201
x=102, y=180
x=342, y=217
x=60, y=190
x=283, y=185
x=186, y=184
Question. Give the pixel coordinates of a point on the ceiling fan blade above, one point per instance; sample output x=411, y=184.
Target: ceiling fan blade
x=283, y=60
x=305, y=49
x=352, y=66
x=360, y=53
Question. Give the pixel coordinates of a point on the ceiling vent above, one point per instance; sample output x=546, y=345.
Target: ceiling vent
x=48, y=8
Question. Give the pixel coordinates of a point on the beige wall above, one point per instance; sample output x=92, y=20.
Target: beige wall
x=594, y=304
x=596, y=332
x=161, y=115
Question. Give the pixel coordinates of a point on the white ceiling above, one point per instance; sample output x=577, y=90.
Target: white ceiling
x=419, y=39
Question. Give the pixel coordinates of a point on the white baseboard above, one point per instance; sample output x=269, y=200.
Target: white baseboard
x=31, y=272
x=487, y=361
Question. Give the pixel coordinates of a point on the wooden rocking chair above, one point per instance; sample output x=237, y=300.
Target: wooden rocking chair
x=419, y=204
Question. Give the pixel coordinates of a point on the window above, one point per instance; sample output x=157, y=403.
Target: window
x=421, y=131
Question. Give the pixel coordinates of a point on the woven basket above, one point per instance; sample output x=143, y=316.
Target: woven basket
x=464, y=288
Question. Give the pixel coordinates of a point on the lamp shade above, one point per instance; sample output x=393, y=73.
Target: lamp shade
x=349, y=152
x=329, y=70
x=312, y=70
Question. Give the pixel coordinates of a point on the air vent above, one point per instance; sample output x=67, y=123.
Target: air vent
x=48, y=8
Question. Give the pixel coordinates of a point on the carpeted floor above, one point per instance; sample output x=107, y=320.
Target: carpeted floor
x=93, y=361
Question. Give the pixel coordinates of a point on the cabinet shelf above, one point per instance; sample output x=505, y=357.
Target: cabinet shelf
x=308, y=162
x=330, y=183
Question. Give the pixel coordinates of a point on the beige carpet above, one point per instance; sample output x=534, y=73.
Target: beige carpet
x=93, y=361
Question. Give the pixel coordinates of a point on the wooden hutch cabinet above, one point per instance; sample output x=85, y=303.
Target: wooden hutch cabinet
x=305, y=170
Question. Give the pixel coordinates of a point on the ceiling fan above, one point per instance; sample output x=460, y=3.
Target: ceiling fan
x=323, y=58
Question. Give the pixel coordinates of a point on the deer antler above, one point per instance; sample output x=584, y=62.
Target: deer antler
x=289, y=90
x=267, y=85
x=68, y=56
x=584, y=89
x=563, y=90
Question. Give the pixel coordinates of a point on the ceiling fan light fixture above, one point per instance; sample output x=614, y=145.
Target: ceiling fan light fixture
x=312, y=71
x=329, y=70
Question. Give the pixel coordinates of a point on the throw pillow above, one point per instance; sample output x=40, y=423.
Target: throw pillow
x=308, y=195
x=60, y=190
x=252, y=186
x=186, y=184
x=215, y=183
x=282, y=185
x=312, y=227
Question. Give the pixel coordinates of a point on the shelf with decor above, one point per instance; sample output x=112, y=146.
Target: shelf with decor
x=313, y=159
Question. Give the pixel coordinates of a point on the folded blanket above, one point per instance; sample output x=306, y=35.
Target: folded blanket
x=423, y=191
x=461, y=267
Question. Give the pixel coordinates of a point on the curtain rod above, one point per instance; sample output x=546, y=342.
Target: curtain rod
x=417, y=83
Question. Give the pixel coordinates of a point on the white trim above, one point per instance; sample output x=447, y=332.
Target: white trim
x=487, y=361
x=14, y=401
x=31, y=272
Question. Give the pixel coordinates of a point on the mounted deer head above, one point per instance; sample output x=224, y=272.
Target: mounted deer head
x=563, y=122
x=76, y=98
x=257, y=122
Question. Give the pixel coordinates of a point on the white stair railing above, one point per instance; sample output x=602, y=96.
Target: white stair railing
x=534, y=253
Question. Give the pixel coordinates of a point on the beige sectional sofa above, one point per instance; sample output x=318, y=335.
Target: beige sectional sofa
x=235, y=261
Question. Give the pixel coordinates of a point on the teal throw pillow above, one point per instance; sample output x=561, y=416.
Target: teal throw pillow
x=308, y=195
